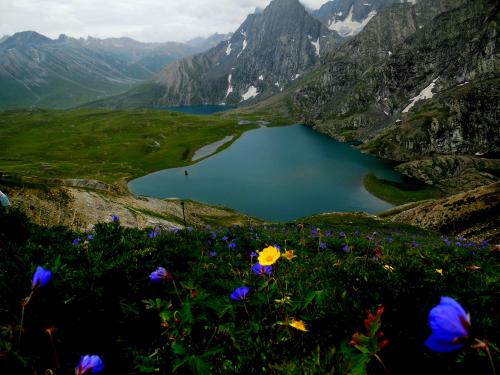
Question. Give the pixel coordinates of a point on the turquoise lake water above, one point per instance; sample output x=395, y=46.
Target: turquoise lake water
x=277, y=174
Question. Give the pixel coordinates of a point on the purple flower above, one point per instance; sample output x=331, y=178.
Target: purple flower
x=115, y=218
x=240, y=294
x=212, y=254
x=261, y=270
x=446, y=241
x=76, y=241
x=159, y=275
x=450, y=326
x=328, y=234
x=253, y=254
x=345, y=248
x=225, y=238
x=342, y=234
x=40, y=278
x=232, y=245
x=90, y=237
x=322, y=245
x=89, y=364
x=213, y=235
x=154, y=233
x=314, y=232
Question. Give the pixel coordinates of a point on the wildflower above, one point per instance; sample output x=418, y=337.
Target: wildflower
x=76, y=241
x=213, y=235
x=450, y=326
x=322, y=245
x=90, y=237
x=232, y=245
x=298, y=324
x=345, y=248
x=253, y=254
x=342, y=235
x=225, y=238
x=160, y=274
x=115, y=218
x=240, y=294
x=389, y=267
x=269, y=256
x=40, y=278
x=261, y=270
x=89, y=364
x=440, y=271
x=212, y=254
x=446, y=241
x=154, y=233
x=288, y=255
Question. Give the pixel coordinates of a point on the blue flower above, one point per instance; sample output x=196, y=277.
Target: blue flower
x=232, y=245
x=40, y=278
x=89, y=364
x=253, y=254
x=212, y=254
x=446, y=241
x=160, y=274
x=345, y=248
x=342, y=235
x=115, y=218
x=76, y=241
x=261, y=270
x=450, y=326
x=322, y=245
x=90, y=237
x=240, y=294
x=225, y=238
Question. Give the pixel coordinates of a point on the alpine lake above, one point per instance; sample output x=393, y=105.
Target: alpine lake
x=274, y=173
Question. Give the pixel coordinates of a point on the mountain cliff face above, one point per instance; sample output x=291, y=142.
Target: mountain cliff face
x=39, y=71
x=269, y=50
x=406, y=54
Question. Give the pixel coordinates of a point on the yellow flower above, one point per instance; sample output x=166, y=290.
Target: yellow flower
x=389, y=268
x=288, y=255
x=440, y=271
x=268, y=256
x=298, y=324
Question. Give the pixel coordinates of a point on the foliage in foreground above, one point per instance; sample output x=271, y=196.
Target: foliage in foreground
x=309, y=315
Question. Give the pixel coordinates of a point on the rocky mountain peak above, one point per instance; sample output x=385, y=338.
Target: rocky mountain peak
x=25, y=39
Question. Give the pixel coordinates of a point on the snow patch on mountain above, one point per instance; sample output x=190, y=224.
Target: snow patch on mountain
x=348, y=26
x=424, y=94
x=229, y=87
x=252, y=92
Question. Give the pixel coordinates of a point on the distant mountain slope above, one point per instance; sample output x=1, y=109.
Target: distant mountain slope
x=38, y=71
x=204, y=44
x=269, y=50
x=3, y=38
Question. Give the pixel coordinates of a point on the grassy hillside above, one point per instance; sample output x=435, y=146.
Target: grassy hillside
x=100, y=299
x=104, y=145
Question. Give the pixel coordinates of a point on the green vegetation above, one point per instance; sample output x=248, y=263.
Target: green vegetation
x=104, y=145
x=100, y=300
x=399, y=193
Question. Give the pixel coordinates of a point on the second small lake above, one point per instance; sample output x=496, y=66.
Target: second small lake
x=277, y=174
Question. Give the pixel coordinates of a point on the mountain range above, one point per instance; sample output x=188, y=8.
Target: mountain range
x=65, y=72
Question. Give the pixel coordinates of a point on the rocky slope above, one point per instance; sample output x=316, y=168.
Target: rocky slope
x=81, y=204
x=39, y=71
x=473, y=214
x=269, y=50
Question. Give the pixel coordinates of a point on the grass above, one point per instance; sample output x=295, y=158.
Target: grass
x=109, y=146
x=100, y=300
x=399, y=193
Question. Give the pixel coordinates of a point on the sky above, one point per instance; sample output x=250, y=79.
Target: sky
x=143, y=20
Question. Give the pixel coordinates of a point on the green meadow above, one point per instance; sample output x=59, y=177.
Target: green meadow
x=109, y=146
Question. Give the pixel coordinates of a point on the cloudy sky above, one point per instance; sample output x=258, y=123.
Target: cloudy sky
x=144, y=20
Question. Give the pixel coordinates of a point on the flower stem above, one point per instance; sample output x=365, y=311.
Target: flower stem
x=24, y=303
x=484, y=345
x=177, y=292
x=382, y=363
